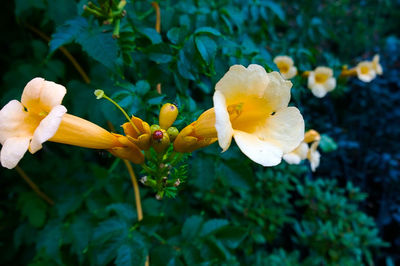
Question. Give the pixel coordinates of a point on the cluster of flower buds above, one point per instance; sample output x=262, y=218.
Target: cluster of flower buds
x=108, y=12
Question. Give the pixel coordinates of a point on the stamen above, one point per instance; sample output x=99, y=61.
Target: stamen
x=100, y=94
x=43, y=113
x=235, y=110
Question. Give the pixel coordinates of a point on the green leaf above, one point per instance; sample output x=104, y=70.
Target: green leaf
x=176, y=35
x=67, y=33
x=207, y=30
x=123, y=210
x=151, y=34
x=34, y=208
x=206, y=47
x=100, y=46
x=276, y=9
x=212, y=225
x=327, y=144
x=142, y=87
x=27, y=5
x=232, y=236
x=131, y=254
x=191, y=227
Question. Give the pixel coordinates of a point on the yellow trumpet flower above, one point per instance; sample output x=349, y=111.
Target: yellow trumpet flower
x=251, y=106
x=286, y=66
x=365, y=71
x=141, y=136
x=321, y=81
x=40, y=117
x=198, y=134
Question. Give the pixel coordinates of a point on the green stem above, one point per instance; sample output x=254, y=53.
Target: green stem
x=123, y=111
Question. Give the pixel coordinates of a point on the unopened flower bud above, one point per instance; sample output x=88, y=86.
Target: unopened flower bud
x=168, y=114
x=172, y=133
x=160, y=144
x=311, y=135
x=154, y=128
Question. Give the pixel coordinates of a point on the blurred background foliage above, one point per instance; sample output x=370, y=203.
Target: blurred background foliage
x=230, y=211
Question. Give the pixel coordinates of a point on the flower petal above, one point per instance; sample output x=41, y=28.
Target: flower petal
x=292, y=158
x=240, y=82
x=291, y=73
x=13, y=150
x=222, y=123
x=285, y=129
x=15, y=122
x=319, y=91
x=261, y=152
x=330, y=84
x=47, y=128
x=41, y=95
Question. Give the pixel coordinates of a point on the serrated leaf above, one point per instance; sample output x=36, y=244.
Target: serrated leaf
x=191, y=227
x=67, y=33
x=34, y=208
x=123, y=210
x=100, y=46
x=131, y=254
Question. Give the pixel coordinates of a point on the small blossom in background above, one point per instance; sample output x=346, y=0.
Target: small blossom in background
x=303, y=151
x=367, y=70
x=298, y=155
x=286, y=66
x=321, y=81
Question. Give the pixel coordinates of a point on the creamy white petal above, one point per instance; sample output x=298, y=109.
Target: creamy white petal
x=291, y=73
x=319, y=91
x=13, y=150
x=47, y=128
x=222, y=122
x=283, y=59
x=311, y=80
x=278, y=91
x=292, y=158
x=330, y=84
x=314, y=160
x=377, y=65
x=12, y=121
x=367, y=77
x=240, y=81
x=41, y=95
x=261, y=152
x=285, y=129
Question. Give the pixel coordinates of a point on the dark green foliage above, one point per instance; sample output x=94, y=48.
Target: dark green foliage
x=227, y=210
